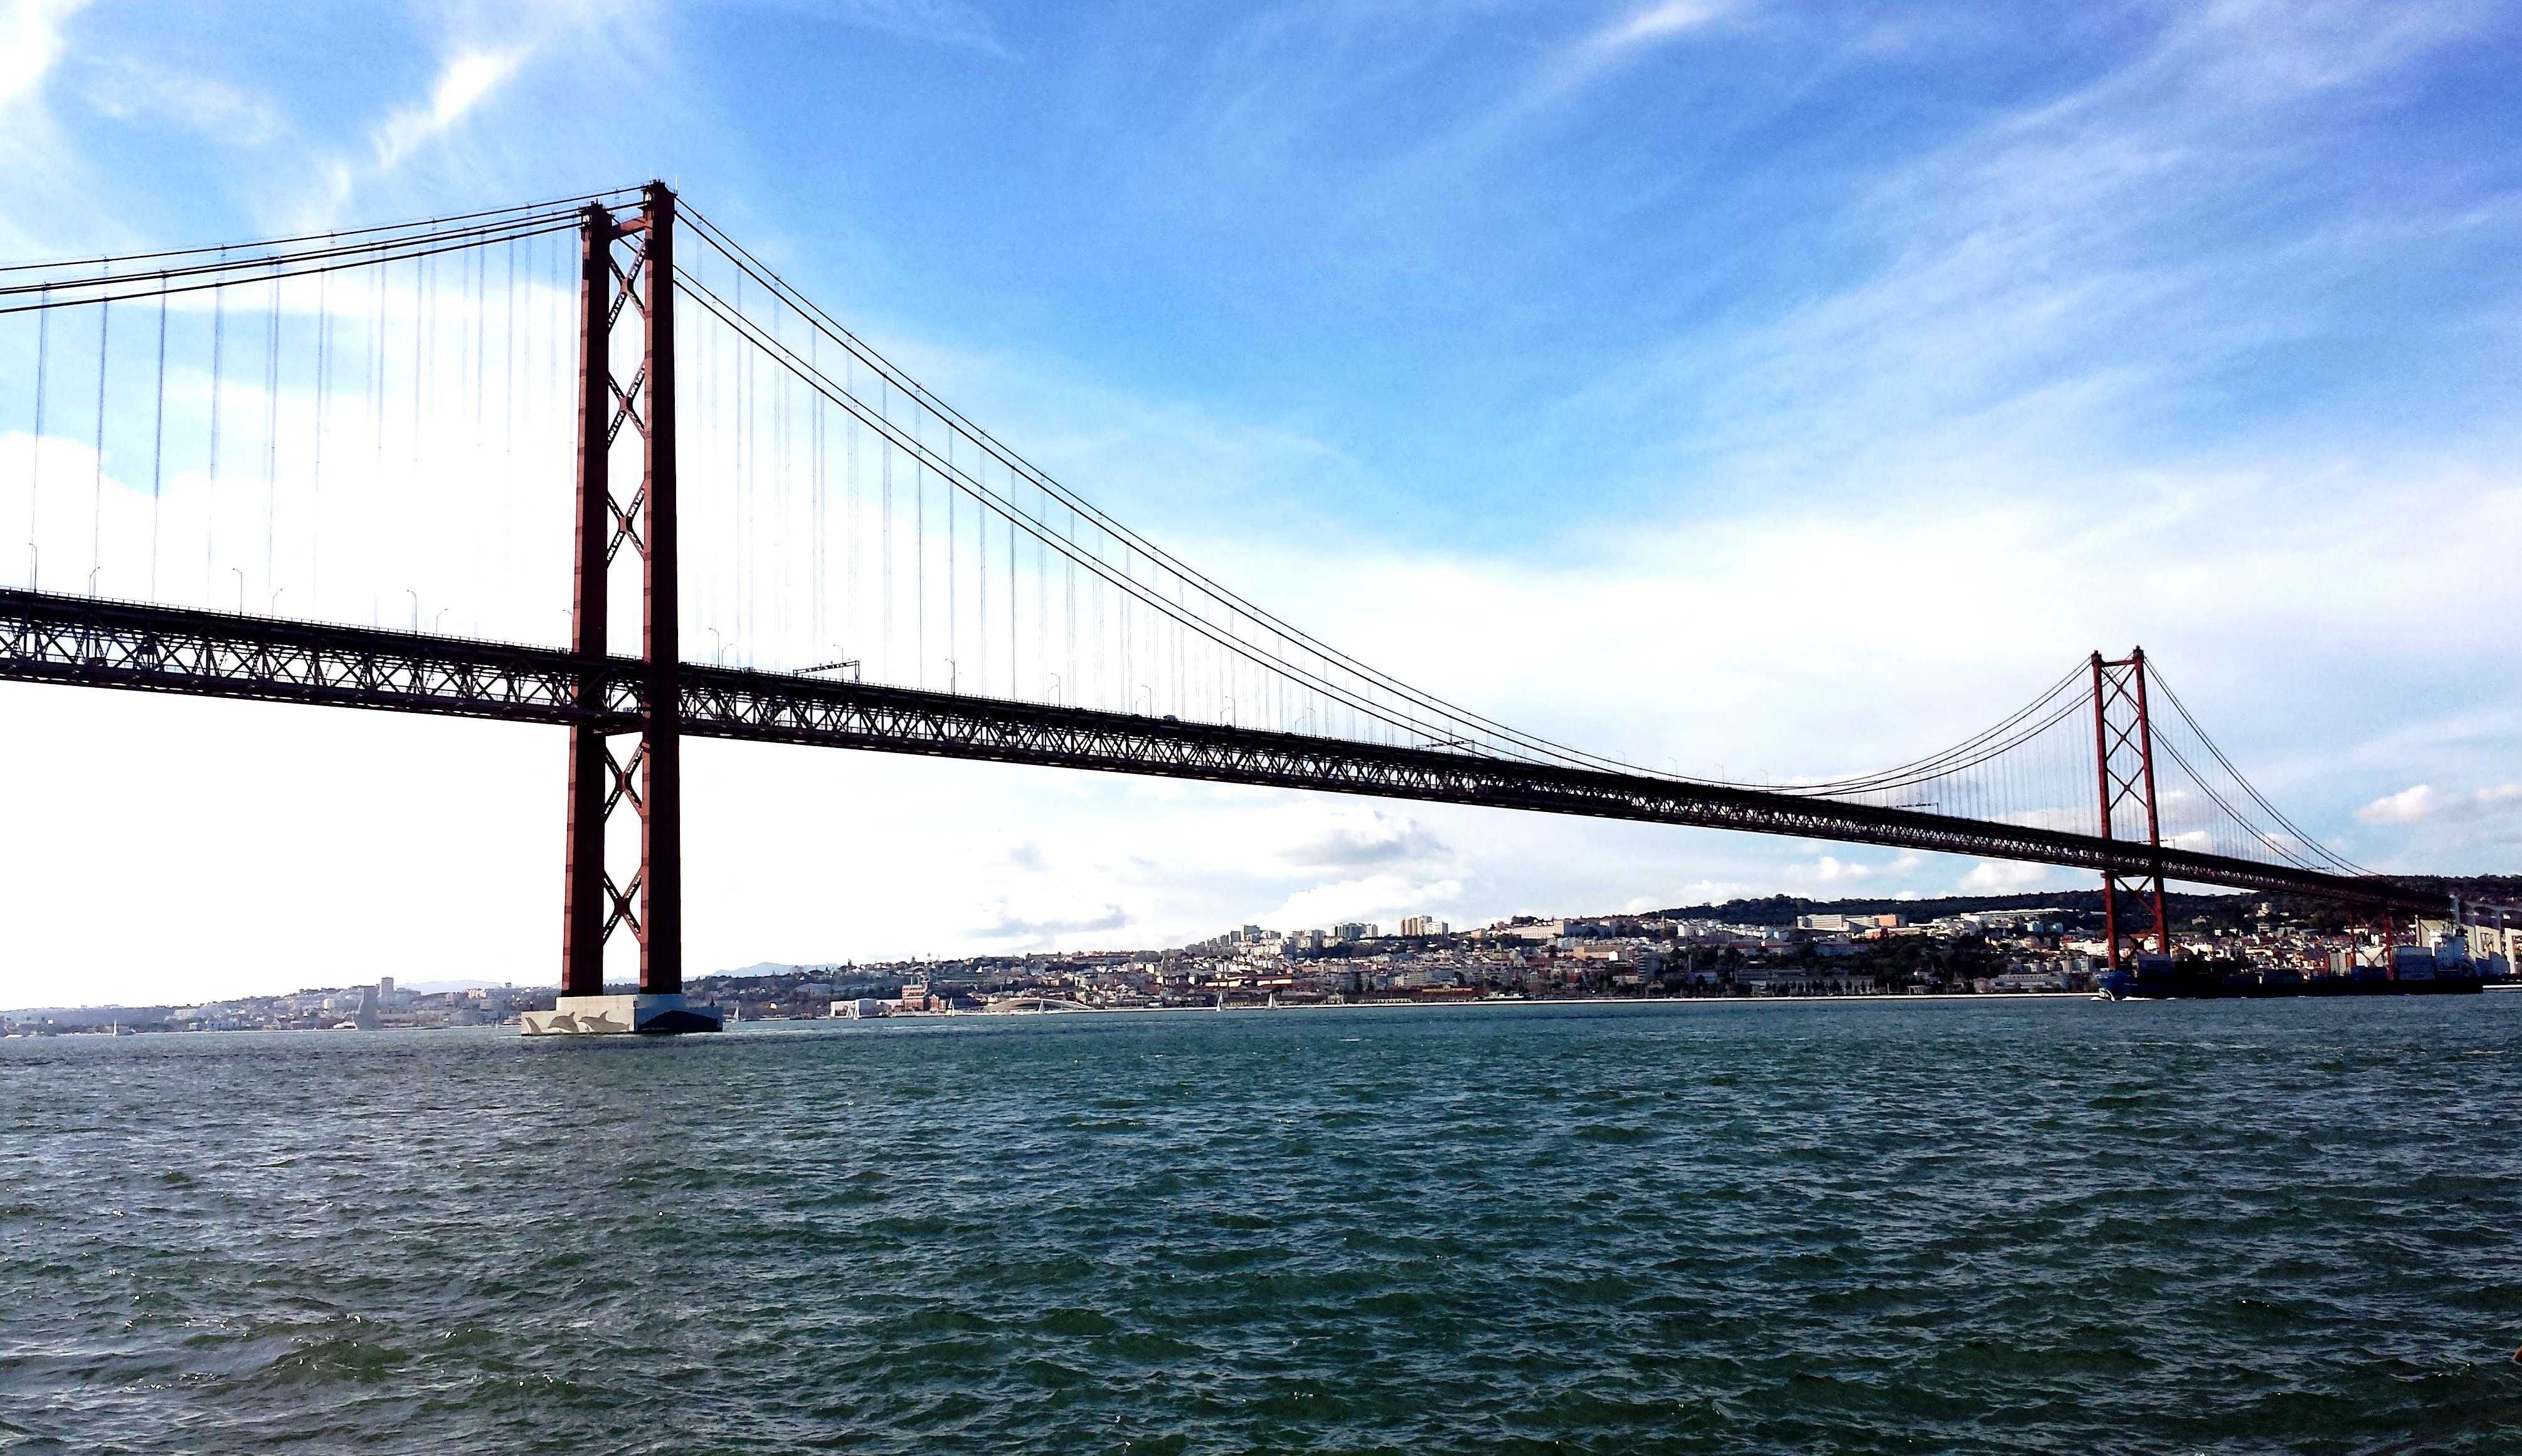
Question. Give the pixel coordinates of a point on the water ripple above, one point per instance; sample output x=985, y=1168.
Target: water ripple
x=2021, y=1227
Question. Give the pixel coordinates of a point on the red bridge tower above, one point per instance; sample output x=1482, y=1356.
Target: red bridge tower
x=628, y=268
x=2124, y=762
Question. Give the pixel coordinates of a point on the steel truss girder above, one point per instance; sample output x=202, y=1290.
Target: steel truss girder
x=92, y=643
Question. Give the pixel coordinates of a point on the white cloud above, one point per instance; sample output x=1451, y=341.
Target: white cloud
x=1710, y=892
x=1779, y=644
x=2421, y=802
x=128, y=89
x=466, y=79
x=30, y=44
x=1656, y=23
x=1830, y=869
x=2032, y=269
x=946, y=22
x=1047, y=930
x=2006, y=876
x=2404, y=807
x=1356, y=837
x=1381, y=898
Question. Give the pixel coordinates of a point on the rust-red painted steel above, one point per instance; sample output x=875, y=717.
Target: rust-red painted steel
x=2153, y=819
x=649, y=902
x=583, y=896
x=661, y=849
x=2102, y=781
x=2122, y=682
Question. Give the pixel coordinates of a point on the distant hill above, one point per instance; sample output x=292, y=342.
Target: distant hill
x=1784, y=909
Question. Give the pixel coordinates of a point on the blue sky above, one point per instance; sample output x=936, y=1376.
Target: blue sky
x=1782, y=387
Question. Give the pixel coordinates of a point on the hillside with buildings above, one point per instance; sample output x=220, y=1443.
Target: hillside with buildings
x=1777, y=946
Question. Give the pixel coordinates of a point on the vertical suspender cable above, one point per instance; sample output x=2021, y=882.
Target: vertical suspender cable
x=885, y=587
x=96, y=501
x=1012, y=685
x=1068, y=567
x=745, y=482
x=270, y=426
x=782, y=504
x=1100, y=700
x=919, y=556
x=1041, y=598
x=210, y=496
x=850, y=603
x=35, y=454
x=375, y=362
x=981, y=577
x=420, y=322
x=508, y=359
x=815, y=504
x=315, y=456
x=157, y=442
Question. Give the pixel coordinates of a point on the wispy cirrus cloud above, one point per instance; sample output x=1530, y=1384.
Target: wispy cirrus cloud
x=1629, y=35
x=940, y=23
x=131, y=89
x=2028, y=270
x=466, y=79
x=1588, y=58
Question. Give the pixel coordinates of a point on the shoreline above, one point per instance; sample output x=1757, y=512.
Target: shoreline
x=1905, y=999
x=1471, y=1002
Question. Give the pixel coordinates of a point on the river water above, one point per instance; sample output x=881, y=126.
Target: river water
x=2023, y=1226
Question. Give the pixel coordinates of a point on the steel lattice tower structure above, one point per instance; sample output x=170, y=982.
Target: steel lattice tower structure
x=2124, y=764
x=628, y=268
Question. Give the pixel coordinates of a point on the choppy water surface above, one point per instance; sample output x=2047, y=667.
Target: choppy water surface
x=2051, y=1226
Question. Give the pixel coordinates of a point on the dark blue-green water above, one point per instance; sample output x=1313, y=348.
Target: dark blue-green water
x=2052, y=1226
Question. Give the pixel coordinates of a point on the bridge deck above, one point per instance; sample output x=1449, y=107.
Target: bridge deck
x=92, y=643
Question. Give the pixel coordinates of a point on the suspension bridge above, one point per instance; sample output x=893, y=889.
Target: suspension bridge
x=273, y=469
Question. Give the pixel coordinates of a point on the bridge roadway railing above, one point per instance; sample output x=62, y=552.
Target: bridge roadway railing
x=96, y=643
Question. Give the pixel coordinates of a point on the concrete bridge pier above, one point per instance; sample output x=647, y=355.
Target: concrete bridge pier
x=601, y=1016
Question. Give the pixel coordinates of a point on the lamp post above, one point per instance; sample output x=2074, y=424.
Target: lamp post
x=240, y=576
x=415, y=607
x=1056, y=687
